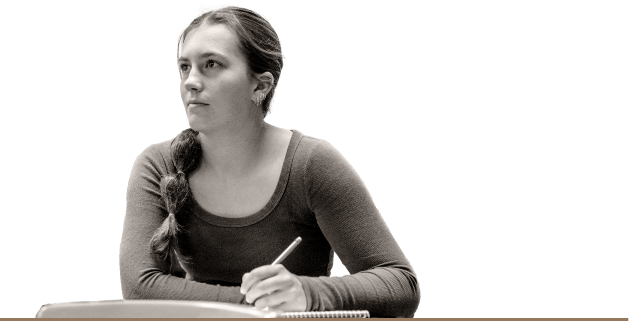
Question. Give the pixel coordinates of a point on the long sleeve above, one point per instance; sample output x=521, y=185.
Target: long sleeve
x=319, y=197
x=382, y=280
x=142, y=275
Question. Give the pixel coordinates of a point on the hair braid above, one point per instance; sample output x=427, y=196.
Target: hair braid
x=186, y=153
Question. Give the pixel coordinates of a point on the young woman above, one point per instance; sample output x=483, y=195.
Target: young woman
x=210, y=210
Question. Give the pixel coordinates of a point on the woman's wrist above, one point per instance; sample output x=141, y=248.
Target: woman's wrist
x=307, y=287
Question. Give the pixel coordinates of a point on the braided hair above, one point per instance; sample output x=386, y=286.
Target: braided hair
x=186, y=153
x=260, y=46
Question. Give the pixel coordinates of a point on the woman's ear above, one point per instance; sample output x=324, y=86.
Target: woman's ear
x=265, y=82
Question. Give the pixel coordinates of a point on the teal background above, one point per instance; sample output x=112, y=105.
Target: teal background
x=492, y=135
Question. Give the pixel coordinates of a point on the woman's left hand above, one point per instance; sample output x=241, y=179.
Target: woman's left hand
x=275, y=287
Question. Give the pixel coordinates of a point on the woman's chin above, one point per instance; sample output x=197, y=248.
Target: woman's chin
x=199, y=124
x=197, y=127
x=196, y=123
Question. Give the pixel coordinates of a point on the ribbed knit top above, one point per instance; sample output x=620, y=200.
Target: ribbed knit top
x=319, y=197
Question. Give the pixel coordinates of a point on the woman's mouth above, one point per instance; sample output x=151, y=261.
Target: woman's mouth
x=194, y=103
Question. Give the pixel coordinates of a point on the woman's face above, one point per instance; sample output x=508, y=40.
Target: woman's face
x=216, y=86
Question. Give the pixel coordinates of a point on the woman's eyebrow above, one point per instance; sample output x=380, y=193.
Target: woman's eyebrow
x=203, y=56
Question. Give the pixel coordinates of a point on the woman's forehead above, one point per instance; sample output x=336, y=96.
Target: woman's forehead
x=214, y=38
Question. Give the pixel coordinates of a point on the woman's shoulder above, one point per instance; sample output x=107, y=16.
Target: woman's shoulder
x=312, y=148
x=157, y=149
x=156, y=156
x=323, y=170
x=316, y=154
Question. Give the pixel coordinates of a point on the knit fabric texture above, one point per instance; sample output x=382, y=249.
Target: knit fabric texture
x=319, y=197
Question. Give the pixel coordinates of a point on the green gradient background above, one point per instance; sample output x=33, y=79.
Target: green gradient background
x=492, y=135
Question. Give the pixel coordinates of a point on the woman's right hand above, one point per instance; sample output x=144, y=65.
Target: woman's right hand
x=273, y=286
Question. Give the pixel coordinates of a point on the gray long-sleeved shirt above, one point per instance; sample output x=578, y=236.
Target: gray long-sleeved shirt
x=319, y=197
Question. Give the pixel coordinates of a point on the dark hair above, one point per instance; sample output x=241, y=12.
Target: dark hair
x=258, y=41
x=186, y=153
x=261, y=47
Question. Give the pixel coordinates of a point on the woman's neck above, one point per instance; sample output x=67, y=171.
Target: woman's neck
x=234, y=151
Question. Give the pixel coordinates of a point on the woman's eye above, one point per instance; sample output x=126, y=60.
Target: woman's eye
x=211, y=64
x=183, y=67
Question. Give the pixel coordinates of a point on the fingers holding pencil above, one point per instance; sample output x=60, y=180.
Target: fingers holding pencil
x=250, y=279
x=274, y=286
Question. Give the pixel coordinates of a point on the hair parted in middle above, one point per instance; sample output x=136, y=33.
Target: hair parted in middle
x=258, y=41
x=261, y=48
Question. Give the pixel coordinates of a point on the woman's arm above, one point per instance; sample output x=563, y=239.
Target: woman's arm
x=382, y=279
x=143, y=276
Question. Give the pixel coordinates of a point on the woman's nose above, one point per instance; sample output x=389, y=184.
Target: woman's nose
x=193, y=82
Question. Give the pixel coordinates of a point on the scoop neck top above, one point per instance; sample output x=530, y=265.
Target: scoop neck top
x=256, y=217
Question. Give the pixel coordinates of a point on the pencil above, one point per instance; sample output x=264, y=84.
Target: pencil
x=287, y=252
x=280, y=258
